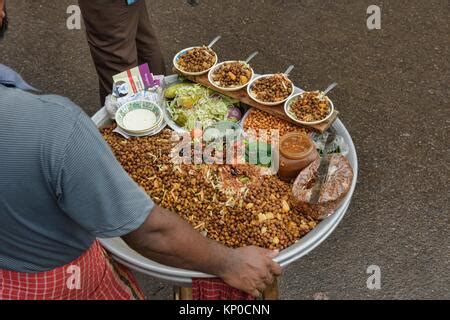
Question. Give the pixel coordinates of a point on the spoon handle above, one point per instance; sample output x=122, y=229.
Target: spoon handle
x=213, y=42
x=289, y=69
x=330, y=87
x=250, y=57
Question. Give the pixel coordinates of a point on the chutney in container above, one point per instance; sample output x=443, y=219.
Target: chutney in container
x=296, y=152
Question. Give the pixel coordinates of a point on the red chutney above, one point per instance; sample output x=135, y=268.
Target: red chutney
x=297, y=151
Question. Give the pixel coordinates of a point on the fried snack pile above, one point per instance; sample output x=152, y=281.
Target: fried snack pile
x=309, y=107
x=273, y=88
x=234, y=205
x=197, y=60
x=232, y=74
x=259, y=120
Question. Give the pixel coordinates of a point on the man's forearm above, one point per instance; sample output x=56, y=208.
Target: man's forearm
x=168, y=239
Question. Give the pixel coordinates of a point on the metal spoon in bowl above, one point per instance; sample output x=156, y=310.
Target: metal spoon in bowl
x=251, y=56
x=289, y=69
x=286, y=73
x=213, y=42
x=328, y=89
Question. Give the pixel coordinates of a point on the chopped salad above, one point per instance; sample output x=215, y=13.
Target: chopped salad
x=193, y=105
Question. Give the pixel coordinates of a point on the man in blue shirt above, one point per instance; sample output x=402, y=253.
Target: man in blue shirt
x=61, y=188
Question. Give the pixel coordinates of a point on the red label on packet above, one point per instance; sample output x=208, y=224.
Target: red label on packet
x=134, y=80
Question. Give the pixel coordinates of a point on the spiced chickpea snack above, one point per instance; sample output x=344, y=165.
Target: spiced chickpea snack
x=274, y=88
x=232, y=74
x=214, y=199
x=260, y=120
x=197, y=60
x=310, y=106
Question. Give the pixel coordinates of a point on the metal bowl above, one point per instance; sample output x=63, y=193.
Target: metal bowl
x=137, y=262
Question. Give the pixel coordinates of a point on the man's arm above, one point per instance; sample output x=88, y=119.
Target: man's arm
x=94, y=190
x=168, y=239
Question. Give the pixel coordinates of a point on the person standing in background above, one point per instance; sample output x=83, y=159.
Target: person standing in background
x=120, y=37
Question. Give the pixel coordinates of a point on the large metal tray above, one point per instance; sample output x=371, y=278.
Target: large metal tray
x=122, y=253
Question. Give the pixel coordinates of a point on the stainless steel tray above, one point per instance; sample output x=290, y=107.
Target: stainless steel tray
x=137, y=262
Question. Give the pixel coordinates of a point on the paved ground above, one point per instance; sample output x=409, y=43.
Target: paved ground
x=393, y=96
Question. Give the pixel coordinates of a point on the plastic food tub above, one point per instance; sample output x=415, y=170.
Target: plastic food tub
x=123, y=254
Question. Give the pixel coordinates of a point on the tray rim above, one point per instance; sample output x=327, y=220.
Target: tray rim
x=122, y=253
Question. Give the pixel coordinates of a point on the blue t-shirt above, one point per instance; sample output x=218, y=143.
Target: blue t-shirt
x=60, y=184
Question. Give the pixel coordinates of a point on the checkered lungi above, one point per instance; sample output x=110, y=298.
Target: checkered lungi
x=93, y=276
x=216, y=289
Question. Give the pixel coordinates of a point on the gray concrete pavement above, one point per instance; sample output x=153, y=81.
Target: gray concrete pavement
x=393, y=96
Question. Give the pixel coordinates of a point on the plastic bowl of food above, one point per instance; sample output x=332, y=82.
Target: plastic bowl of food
x=195, y=61
x=139, y=116
x=261, y=89
x=308, y=108
x=231, y=75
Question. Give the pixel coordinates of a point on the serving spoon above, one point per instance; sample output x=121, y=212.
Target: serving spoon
x=251, y=56
x=328, y=89
x=289, y=69
x=213, y=42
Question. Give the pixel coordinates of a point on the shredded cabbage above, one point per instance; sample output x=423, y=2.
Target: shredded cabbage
x=199, y=106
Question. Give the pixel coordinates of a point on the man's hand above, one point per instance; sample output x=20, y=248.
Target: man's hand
x=251, y=269
x=166, y=238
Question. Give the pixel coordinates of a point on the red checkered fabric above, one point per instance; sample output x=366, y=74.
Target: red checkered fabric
x=93, y=276
x=216, y=289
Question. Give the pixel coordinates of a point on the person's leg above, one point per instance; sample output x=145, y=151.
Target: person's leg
x=148, y=47
x=111, y=28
